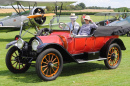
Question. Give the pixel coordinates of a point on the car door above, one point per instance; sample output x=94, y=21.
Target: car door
x=79, y=45
x=99, y=42
x=90, y=41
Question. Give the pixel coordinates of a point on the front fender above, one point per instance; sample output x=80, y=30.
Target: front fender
x=66, y=55
x=41, y=47
x=11, y=43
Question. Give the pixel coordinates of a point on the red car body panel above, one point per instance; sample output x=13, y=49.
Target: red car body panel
x=51, y=39
x=76, y=45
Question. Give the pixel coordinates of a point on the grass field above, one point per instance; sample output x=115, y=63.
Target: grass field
x=73, y=74
x=8, y=10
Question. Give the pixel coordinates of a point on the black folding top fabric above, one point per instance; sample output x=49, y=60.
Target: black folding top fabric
x=111, y=30
x=122, y=31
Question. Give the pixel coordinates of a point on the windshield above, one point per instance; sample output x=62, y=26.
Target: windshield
x=54, y=23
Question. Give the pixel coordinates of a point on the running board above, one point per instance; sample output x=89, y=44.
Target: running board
x=83, y=61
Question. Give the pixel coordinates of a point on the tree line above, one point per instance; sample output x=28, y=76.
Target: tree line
x=79, y=6
x=82, y=6
x=122, y=9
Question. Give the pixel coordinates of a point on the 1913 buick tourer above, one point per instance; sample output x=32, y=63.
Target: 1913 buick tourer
x=61, y=46
x=51, y=48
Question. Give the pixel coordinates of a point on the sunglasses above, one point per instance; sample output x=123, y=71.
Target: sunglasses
x=86, y=20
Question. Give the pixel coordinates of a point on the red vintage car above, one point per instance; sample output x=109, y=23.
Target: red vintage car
x=55, y=47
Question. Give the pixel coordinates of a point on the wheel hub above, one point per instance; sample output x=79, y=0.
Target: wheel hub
x=113, y=56
x=50, y=64
x=17, y=59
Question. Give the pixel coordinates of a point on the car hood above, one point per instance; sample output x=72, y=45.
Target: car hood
x=51, y=39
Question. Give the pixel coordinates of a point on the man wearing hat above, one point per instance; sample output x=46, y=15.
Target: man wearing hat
x=86, y=28
x=74, y=26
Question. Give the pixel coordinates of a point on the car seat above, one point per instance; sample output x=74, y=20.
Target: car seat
x=76, y=31
x=92, y=31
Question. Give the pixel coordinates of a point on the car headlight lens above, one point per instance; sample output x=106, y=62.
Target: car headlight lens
x=35, y=44
x=20, y=43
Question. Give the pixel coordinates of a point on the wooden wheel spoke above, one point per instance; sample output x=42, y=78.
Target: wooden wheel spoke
x=53, y=69
x=54, y=60
x=19, y=65
x=51, y=58
x=116, y=62
x=15, y=53
x=114, y=49
x=55, y=63
x=108, y=57
x=13, y=63
x=44, y=62
x=50, y=71
x=16, y=65
x=117, y=51
x=45, y=69
x=113, y=62
x=55, y=66
x=13, y=56
x=109, y=61
x=111, y=50
x=13, y=60
x=109, y=54
x=44, y=66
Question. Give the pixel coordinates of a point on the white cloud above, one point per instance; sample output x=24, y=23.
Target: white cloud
x=106, y=3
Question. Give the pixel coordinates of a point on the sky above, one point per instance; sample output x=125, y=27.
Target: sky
x=106, y=3
x=100, y=3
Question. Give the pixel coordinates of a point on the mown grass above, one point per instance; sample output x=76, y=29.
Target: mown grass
x=73, y=74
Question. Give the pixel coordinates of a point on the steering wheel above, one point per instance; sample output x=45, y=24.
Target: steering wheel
x=43, y=32
x=64, y=26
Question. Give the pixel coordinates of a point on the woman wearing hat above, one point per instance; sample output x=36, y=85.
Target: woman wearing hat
x=86, y=28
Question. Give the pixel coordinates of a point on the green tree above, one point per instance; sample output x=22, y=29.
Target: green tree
x=122, y=9
x=49, y=8
x=82, y=5
x=109, y=7
x=77, y=7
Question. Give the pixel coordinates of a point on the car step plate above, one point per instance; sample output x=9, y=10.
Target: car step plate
x=83, y=61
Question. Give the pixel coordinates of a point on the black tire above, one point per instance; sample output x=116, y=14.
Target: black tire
x=49, y=60
x=113, y=56
x=14, y=65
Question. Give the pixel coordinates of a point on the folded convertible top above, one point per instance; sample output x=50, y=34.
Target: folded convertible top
x=111, y=30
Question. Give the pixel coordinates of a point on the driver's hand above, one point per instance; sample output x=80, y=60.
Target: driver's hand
x=60, y=27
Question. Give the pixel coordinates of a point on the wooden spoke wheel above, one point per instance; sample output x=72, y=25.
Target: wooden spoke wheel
x=49, y=64
x=113, y=56
x=14, y=61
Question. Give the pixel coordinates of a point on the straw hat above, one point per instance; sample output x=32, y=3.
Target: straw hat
x=87, y=17
x=72, y=15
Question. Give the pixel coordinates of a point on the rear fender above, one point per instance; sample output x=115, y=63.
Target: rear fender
x=103, y=51
x=65, y=54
